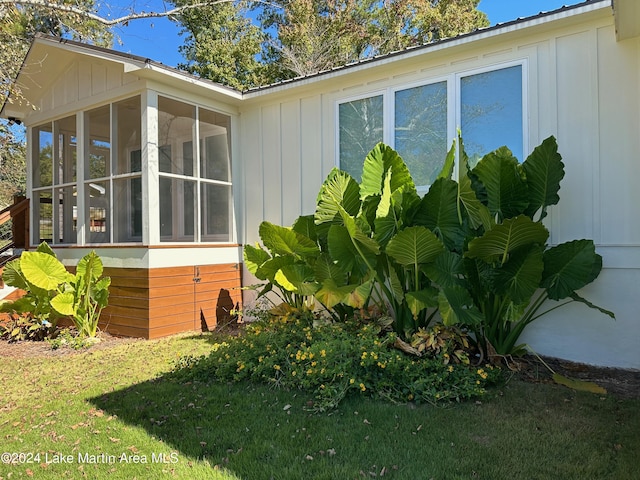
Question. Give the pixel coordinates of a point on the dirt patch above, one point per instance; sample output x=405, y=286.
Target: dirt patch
x=29, y=349
x=617, y=381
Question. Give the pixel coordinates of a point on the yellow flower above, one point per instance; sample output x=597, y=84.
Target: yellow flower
x=364, y=355
x=323, y=353
x=277, y=367
x=294, y=373
x=450, y=368
x=362, y=387
x=351, y=381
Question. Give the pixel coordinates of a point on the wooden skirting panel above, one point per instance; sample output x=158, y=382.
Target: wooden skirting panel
x=162, y=301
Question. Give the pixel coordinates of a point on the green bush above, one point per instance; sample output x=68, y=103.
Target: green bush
x=330, y=360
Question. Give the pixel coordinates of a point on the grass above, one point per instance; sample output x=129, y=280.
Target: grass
x=104, y=404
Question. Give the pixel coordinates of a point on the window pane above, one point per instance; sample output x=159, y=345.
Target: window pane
x=215, y=161
x=177, y=207
x=67, y=215
x=128, y=131
x=360, y=123
x=43, y=149
x=491, y=109
x=99, y=144
x=66, y=161
x=421, y=130
x=216, y=212
x=127, y=209
x=176, y=122
x=98, y=221
x=42, y=202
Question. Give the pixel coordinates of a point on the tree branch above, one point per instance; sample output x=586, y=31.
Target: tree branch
x=47, y=5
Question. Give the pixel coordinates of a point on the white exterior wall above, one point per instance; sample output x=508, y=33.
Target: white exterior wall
x=582, y=87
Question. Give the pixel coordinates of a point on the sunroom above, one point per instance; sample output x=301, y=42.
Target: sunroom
x=122, y=161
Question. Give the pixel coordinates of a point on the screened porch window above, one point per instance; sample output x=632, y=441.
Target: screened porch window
x=195, y=176
x=54, y=151
x=487, y=106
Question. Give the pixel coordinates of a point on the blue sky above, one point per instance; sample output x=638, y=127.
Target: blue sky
x=158, y=39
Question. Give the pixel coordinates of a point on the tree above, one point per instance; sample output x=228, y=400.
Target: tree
x=222, y=44
x=303, y=37
x=13, y=179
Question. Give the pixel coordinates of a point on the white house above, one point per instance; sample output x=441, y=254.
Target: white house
x=167, y=175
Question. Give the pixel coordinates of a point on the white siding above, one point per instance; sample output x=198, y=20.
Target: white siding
x=83, y=80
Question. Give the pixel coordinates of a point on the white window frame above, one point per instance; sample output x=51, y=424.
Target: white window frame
x=453, y=107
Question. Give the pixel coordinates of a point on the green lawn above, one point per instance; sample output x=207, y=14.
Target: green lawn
x=106, y=412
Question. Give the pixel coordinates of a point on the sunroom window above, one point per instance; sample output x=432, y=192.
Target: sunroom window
x=422, y=120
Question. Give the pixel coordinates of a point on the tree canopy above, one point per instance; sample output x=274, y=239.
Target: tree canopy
x=247, y=44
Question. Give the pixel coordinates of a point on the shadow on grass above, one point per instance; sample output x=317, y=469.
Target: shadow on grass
x=257, y=432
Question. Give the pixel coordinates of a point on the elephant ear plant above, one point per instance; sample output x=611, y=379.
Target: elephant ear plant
x=52, y=292
x=473, y=250
x=506, y=267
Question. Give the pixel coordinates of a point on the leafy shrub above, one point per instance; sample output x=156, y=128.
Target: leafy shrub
x=25, y=327
x=333, y=359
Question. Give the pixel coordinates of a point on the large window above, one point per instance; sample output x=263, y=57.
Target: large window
x=421, y=121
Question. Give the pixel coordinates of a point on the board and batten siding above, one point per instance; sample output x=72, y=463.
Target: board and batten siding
x=582, y=86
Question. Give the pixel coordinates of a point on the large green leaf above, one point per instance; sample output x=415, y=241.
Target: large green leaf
x=477, y=212
x=569, y=267
x=519, y=278
x=449, y=162
x=64, y=303
x=544, y=171
x=447, y=270
x=507, y=192
x=296, y=278
x=421, y=300
x=90, y=266
x=339, y=191
x=305, y=225
x=377, y=165
x=268, y=270
x=345, y=254
x=45, y=248
x=325, y=267
x=501, y=240
x=456, y=306
x=439, y=213
x=254, y=257
x=43, y=270
x=285, y=241
x=12, y=275
x=414, y=246
x=330, y=294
